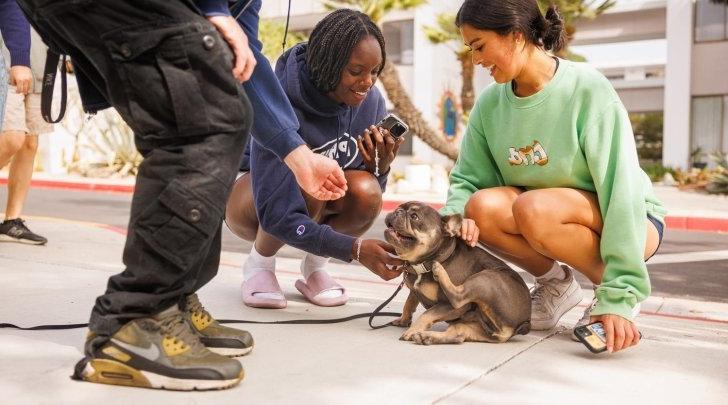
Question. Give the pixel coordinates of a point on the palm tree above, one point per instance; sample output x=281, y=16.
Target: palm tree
x=376, y=10
x=446, y=32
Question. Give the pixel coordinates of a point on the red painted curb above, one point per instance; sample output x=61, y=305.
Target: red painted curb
x=697, y=224
x=672, y=222
x=70, y=185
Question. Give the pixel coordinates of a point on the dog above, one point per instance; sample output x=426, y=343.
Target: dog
x=479, y=295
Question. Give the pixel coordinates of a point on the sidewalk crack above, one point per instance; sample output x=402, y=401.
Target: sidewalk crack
x=499, y=365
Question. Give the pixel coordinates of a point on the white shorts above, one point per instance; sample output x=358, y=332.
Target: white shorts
x=22, y=113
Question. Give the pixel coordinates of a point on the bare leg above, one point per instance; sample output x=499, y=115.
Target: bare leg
x=21, y=172
x=10, y=144
x=353, y=214
x=409, y=308
x=534, y=228
x=492, y=211
x=438, y=313
x=356, y=212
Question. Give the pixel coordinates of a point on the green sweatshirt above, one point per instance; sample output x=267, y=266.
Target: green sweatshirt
x=573, y=133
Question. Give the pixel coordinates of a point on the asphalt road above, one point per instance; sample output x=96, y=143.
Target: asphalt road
x=699, y=280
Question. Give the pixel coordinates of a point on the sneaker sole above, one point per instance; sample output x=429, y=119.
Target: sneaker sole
x=230, y=351
x=111, y=372
x=566, y=306
x=6, y=238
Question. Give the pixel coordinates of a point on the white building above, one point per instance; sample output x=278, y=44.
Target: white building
x=685, y=79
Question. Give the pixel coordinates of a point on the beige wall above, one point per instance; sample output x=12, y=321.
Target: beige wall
x=710, y=68
x=642, y=100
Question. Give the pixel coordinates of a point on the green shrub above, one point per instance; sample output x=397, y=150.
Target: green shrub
x=718, y=181
x=656, y=171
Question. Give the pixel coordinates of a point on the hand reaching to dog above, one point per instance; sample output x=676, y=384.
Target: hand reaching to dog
x=621, y=333
x=375, y=256
x=379, y=139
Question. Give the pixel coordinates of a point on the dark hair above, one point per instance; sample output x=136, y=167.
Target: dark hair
x=331, y=43
x=507, y=16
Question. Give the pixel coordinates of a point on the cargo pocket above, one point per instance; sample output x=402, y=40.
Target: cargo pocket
x=178, y=224
x=166, y=73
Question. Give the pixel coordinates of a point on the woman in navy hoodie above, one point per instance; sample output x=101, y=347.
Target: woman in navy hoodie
x=330, y=83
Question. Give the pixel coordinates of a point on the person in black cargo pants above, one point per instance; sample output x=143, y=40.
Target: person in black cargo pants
x=168, y=72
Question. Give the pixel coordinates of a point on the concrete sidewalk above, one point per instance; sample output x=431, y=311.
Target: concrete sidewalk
x=686, y=210
x=682, y=359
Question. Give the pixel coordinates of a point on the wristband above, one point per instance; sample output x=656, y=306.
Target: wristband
x=358, y=249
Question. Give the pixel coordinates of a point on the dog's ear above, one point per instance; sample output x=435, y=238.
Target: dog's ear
x=452, y=224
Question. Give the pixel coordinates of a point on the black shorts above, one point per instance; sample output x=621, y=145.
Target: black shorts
x=660, y=230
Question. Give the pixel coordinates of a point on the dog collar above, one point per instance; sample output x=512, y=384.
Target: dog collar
x=421, y=268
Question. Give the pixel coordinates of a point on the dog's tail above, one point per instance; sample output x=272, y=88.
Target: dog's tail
x=523, y=328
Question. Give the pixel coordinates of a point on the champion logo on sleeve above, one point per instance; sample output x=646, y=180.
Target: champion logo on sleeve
x=300, y=230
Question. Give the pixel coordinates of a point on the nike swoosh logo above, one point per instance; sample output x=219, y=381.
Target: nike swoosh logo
x=149, y=353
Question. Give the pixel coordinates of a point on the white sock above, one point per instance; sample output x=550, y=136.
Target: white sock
x=311, y=264
x=556, y=272
x=257, y=263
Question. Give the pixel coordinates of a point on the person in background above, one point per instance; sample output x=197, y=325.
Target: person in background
x=330, y=83
x=19, y=139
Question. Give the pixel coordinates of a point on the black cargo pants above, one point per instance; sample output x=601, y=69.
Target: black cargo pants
x=169, y=74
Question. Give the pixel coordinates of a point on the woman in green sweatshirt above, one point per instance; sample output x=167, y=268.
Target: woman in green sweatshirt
x=548, y=171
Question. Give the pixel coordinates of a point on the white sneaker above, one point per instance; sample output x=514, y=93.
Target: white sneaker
x=587, y=314
x=584, y=320
x=552, y=298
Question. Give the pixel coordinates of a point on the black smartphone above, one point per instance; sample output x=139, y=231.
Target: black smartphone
x=394, y=125
x=593, y=336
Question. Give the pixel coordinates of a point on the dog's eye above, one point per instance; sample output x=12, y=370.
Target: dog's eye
x=414, y=217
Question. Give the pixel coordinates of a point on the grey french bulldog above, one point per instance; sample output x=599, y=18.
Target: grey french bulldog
x=481, y=298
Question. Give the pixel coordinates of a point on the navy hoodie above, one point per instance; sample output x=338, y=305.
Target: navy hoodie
x=328, y=128
x=16, y=33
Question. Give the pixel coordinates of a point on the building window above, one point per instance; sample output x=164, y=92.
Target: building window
x=711, y=21
x=399, y=37
x=709, y=127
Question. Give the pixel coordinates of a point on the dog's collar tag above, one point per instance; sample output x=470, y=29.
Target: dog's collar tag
x=420, y=268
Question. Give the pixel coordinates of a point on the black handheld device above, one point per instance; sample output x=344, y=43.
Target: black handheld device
x=593, y=336
x=394, y=125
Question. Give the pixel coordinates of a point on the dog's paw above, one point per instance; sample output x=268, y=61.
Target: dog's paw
x=402, y=322
x=423, y=338
x=408, y=334
x=438, y=271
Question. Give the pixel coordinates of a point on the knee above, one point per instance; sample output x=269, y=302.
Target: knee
x=366, y=194
x=13, y=141
x=485, y=207
x=240, y=215
x=239, y=225
x=533, y=214
x=31, y=144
